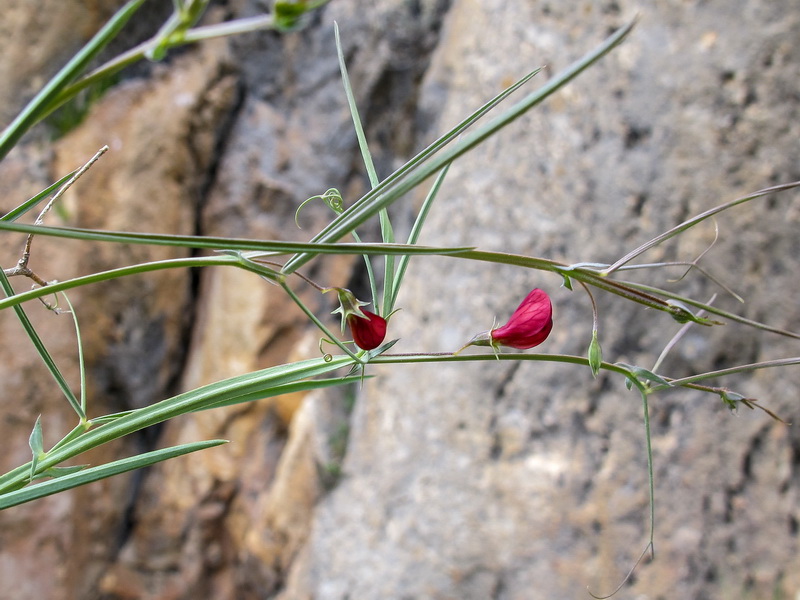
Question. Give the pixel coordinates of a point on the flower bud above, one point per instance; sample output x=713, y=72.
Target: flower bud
x=368, y=331
x=595, y=354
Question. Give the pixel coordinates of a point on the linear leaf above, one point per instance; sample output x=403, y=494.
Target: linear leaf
x=372, y=203
x=91, y=474
x=41, y=349
x=222, y=243
x=251, y=383
x=39, y=105
x=289, y=388
x=413, y=236
x=16, y=213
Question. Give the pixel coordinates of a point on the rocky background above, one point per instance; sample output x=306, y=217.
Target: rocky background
x=468, y=481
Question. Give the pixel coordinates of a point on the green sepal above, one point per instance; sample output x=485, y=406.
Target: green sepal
x=642, y=374
x=595, y=354
x=681, y=313
x=36, y=442
x=349, y=305
x=731, y=400
x=287, y=14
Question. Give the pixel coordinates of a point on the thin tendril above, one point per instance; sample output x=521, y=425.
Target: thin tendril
x=627, y=577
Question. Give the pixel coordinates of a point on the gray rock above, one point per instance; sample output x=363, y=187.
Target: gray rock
x=472, y=480
x=499, y=480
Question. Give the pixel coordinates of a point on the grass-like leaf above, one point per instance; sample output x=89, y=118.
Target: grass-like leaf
x=413, y=236
x=30, y=204
x=259, y=382
x=81, y=358
x=91, y=474
x=146, y=48
x=387, y=234
x=39, y=106
x=41, y=349
x=274, y=247
x=445, y=139
x=382, y=196
x=288, y=388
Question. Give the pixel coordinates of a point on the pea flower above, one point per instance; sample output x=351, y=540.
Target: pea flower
x=529, y=326
x=368, y=329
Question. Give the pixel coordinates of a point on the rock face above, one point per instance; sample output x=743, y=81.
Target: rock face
x=502, y=480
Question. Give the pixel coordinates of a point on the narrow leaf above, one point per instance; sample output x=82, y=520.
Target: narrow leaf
x=251, y=383
x=81, y=360
x=413, y=236
x=197, y=34
x=39, y=105
x=274, y=247
x=40, y=347
x=382, y=197
x=278, y=390
x=66, y=482
x=387, y=234
x=16, y=213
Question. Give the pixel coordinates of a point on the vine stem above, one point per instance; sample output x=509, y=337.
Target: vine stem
x=310, y=314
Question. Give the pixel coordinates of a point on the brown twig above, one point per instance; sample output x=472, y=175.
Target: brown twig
x=22, y=264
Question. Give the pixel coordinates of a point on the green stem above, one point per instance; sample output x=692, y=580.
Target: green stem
x=450, y=357
x=688, y=381
x=650, y=476
x=319, y=323
x=384, y=195
x=694, y=221
x=37, y=342
x=43, y=102
x=60, y=286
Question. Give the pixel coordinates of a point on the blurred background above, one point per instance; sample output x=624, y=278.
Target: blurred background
x=461, y=481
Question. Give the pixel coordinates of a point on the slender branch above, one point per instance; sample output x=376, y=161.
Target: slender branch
x=68, y=184
x=694, y=221
x=594, y=305
x=319, y=323
x=677, y=337
x=767, y=364
x=22, y=263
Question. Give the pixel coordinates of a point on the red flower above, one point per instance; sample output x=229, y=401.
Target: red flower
x=368, y=331
x=530, y=324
